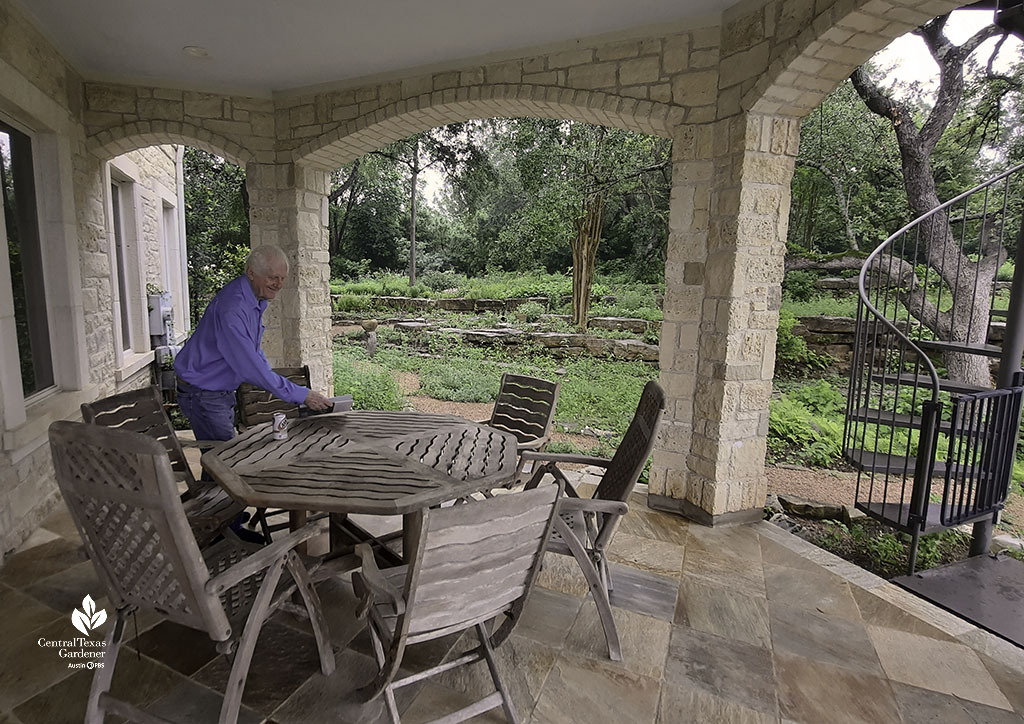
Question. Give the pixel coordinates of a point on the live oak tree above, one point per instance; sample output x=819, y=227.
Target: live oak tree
x=918, y=134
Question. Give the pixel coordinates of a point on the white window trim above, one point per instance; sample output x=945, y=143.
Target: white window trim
x=25, y=422
x=174, y=263
x=125, y=174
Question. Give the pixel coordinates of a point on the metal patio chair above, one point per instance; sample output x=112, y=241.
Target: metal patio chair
x=469, y=566
x=208, y=508
x=585, y=526
x=120, y=489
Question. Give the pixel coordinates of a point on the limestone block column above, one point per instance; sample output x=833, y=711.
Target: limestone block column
x=723, y=291
x=287, y=207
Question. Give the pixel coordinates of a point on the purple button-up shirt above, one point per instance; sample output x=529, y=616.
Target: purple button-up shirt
x=225, y=349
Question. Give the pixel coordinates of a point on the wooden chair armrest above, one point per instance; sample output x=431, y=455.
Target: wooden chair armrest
x=189, y=442
x=532, y=444
x=377, y=586
x=546, y=457
x=263, y=558
x=592, y=505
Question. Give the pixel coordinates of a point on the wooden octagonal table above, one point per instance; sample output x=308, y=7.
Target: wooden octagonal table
x=364, y=461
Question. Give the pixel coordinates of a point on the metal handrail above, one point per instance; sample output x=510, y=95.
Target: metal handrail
x=862, y=277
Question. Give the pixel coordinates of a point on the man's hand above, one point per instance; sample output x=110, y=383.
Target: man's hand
x=316, y=401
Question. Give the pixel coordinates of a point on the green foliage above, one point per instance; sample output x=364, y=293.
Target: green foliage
x=798, y=285
x=792, y=356
x=446, y=382
x=822, y=305
x=1005, y=273
x=886, y=550
x=530, y=311
x=798, y=434
x=371, y=385
x=216, y=225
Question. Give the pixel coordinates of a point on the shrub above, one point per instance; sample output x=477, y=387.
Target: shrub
x=1005, y=273
x=792, y=356
x=799, y=285
x=795, y=432
x=530, y=311
x=372, y=387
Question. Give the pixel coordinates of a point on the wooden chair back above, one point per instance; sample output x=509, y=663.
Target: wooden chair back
x=525, y=407
x=121, y=493
x=628, y=462
x=475, y=561
x=255, y=405
x=141, y=411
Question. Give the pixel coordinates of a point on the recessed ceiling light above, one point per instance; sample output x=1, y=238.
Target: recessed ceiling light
x=196, y=51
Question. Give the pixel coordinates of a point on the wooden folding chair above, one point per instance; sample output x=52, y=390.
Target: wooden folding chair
x=469, y=566
x=208, y=507
x=120, y=489
x=525, y=407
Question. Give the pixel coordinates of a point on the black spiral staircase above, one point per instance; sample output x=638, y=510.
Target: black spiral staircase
x=930, y=429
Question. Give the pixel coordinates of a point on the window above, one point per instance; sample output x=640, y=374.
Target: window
x=129, y=291
x=21, y=226
x=173, y=266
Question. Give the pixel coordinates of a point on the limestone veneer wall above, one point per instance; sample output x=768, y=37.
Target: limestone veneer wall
x=42, y=93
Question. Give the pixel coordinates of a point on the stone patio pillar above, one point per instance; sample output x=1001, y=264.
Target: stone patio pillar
x=288, y=207
x=728, y=222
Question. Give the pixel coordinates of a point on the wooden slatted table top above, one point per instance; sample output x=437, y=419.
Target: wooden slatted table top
x=364, y=461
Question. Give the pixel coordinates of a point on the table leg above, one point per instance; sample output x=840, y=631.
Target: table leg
x=296, y=520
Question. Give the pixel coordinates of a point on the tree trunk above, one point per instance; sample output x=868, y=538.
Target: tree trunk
x=584, y=254
x=412, y=212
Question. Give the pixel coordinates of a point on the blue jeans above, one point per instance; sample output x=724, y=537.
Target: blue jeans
x=210, y=412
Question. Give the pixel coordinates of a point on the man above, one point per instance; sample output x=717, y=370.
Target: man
x=225, y=350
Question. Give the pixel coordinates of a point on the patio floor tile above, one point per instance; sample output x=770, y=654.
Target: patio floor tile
x=191, y=703
x=26, y=669
x=140, y=682
x=22, y=614
x=921, y=706
x=653, y=524
x=524, y=665
x=816, y=590
x=562, y=573
x=435, y=701
x=879, y=612
x=181, y=648
x=643, y=592
x=64, y=591
x=687, y=703
x=60, y=522
x=830, y=640
x=811, y=692
x=722, y=611
x=936, y=665
x=723, y=667
x=708, y=559
x=29, y=566
x=645, y=554
x=548, y=616
x=585, y=690
x=284, y=659
x=643, y=639
x=1008, y=681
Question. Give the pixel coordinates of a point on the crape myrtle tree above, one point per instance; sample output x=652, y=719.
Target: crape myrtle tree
x=968, y=274
x=571, y=173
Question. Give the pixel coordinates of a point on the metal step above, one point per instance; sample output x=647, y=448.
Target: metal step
x=935, y=345
x=898, y=514
x=877, y=462
x=998, y=313
x=890, y=419
x=956, y=388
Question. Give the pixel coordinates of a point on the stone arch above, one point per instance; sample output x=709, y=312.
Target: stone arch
x=825, y=48
x=112, y=142
x=429, y=110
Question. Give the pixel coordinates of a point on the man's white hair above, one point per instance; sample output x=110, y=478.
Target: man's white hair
x=262, y=258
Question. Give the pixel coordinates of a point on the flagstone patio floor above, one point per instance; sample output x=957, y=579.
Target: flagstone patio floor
x=746, y=625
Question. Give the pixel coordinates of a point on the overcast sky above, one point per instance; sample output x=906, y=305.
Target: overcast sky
x=911, y=61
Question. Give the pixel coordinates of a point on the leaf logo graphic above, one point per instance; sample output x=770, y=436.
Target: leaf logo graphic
x=88, y=618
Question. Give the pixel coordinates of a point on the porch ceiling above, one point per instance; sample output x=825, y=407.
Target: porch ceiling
x=261, y=47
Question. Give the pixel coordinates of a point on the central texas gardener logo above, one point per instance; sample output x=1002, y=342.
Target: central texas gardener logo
x=88, y=618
